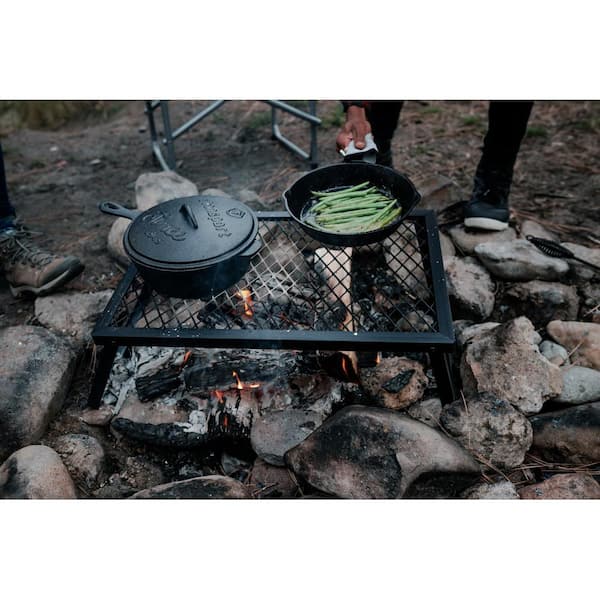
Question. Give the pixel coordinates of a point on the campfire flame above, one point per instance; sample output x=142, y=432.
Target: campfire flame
x=186, y=357
x=241, y=386
x=245, y=296
x=378, y=358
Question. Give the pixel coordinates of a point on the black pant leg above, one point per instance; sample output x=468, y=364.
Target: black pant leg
x=6, y=208
x=383, y=116
x=507, y=125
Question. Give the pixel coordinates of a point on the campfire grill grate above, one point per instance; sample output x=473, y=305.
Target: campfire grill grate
x=295, y=295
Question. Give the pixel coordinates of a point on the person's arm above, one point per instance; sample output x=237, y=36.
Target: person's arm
x=356, y=125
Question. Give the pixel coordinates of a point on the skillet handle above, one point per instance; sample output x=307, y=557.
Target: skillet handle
x=116, y=210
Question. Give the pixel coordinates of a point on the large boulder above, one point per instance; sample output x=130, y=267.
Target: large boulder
x=571, y=435
x=466, y=239
x=36, y=368
x=490, y=429
x=366, y=452
x=35, y=472
x=506, y=362
x=581, y=339
x=582, y=272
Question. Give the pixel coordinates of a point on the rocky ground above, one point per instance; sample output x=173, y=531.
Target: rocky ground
x=527, y=421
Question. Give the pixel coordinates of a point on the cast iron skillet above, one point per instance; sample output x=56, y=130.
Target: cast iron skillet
x=191, y=247
x=298, y=198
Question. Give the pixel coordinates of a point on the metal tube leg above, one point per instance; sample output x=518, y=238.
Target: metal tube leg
x=169, y=141
x=105, y=362
x=314, y=150
x=442, y=371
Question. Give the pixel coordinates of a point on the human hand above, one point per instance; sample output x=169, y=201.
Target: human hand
x=355, y=128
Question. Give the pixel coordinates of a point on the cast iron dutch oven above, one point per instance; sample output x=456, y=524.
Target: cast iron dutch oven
x=337, y=176
x=190, y=247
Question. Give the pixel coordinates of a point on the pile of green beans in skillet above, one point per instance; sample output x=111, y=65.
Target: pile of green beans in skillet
x=355, y=209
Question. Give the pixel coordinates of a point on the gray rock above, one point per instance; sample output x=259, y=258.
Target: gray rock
x=503, y=490
x=490, y=429
x=439, y=192
x=72, y=314
x=566, y=486
x=539, y=301
x=447, y=247
x=97, y=417
x=270, y=481
x=395, y=382
x=209, y=486
x=466, y=239
x=536, y=230
x=365, y=452
x=519, y=261
x=470, y=288
x=582, y=272
x=555, y=353
x=471, y=332
x=154, y=188
x=581, y=339
x=216, y=192
x=36, y=368
x=83, y=456
x=35, y=472
x=506, y=362
x=590, y=302
x=571, y=435
x=427, y=411
x=580, y=385
x=250, y=198
x=275, y=432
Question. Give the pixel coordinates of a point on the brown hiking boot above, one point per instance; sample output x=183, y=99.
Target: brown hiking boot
x=29, y=269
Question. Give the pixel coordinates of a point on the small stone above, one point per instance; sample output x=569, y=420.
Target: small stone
x=83, y=456
x=215, y=192
x=35, y=472
x=447, y=247
x=581, y=339
x=555, y=353
x=473, y=331
x=566, y=486
x=97, y=417
x=153, y=188
x=580, y=385
x=95, y=162
x=271, y=481
x=503, y=490
x=427, y=411
x=490, y=428
x=395, y=382
x=590, y=302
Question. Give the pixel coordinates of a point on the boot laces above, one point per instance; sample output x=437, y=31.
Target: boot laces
x=18, y=247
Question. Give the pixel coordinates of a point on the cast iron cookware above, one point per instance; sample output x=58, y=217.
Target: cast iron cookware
x=297, y=198
x=190, y=247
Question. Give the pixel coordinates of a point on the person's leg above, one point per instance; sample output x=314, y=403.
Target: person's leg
x=27, y=267
x=383, y=116
x=7, y=211
x=507, y=125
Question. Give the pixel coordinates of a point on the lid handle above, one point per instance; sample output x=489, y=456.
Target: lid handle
x=189, y=215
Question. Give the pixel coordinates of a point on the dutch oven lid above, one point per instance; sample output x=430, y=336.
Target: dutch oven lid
x=192, y=232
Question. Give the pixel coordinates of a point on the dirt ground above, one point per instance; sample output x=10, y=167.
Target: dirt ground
x=57, y=177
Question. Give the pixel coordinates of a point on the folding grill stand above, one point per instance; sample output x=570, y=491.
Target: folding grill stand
x=126, y=320
x=168, y=162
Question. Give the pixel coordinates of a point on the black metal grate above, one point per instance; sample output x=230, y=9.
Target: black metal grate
x=296, y=293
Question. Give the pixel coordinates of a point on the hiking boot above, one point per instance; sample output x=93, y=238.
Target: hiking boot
x=488, y=206
x=30, y=269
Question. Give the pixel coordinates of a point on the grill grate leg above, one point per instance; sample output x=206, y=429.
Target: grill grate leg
x=441, y=365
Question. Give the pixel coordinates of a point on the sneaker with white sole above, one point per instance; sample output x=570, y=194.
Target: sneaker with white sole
x=487, y=208
x=31, y=270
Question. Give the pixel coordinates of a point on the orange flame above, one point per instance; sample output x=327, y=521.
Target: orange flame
x=243, y=386
x=239, y=385
x=246, y=296
x=186, y=357
x=219, y=395
x=378, y=358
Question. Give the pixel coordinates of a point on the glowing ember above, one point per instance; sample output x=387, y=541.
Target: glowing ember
x=186, y=356
x=246, y=296
x=243, y=386
x=378, y=358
